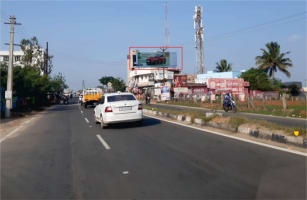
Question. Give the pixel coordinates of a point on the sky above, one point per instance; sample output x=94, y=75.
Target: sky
x=91, y=39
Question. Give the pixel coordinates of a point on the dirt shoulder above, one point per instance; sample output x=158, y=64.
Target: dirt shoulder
x=10, y=126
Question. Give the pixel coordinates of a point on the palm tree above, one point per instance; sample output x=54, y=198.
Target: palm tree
x=272, y=60
x=223, y=66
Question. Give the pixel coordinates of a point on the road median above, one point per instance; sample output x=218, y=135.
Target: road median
x=258, y=129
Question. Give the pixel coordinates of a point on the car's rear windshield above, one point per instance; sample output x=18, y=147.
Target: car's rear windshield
x=124, y=97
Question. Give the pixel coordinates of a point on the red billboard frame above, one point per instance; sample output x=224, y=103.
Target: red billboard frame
x=153, y=47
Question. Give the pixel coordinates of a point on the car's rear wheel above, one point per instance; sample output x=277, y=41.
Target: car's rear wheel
x=97, y=122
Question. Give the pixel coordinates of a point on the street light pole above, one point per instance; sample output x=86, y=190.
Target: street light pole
x=9, y=85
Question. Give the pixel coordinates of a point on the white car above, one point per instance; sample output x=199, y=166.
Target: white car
x=117, y=108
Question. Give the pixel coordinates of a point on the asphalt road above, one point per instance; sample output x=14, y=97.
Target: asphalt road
x=285, y=121
x=61, y=157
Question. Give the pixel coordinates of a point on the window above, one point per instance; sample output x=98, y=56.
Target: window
x=17, y=58
x=126, y=97
x=134, y=60
x=5, y=58
x=101, y=100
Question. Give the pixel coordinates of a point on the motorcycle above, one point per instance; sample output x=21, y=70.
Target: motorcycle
x=229, y=105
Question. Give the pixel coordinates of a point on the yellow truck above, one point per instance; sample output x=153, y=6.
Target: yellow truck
x=91, y=97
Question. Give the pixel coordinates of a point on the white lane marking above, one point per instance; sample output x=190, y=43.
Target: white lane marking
x=233, y=137
x=28, y=121
x=87, y=120
x=81, y=112
x=125, y=172
x=104, y=143
x=11, y=133
x=91, y=126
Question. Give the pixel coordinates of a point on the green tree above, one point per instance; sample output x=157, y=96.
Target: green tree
x=3, y=73
x=271, y=60
x=259, y=80
x=33, y=55
x=223, y=66
x=58, y=83
x=29, y=85
x=117, y=83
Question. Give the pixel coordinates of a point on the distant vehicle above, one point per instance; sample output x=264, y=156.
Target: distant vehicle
x=91, y=97
x=156, y=60
x=229, y=105
x=118, y=108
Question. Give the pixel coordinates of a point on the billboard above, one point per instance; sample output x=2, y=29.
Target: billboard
x=165, y=93
x=155, y=59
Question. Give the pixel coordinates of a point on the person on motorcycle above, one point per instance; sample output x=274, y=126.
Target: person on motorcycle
x=227, y=99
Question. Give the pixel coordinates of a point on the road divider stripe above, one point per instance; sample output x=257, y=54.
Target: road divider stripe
x=103, y=142
x=87, y=120
x=229, y=136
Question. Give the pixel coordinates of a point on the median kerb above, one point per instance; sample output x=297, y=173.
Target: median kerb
x=180, y=117
x=173, y=116
x=295, y=140
x=188, y=119
x=199, y=122
x=209, y=114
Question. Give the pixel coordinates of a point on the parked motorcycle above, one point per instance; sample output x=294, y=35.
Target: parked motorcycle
x=229, y=105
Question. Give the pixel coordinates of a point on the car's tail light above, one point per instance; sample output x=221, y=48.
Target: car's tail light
x=140, y=107
x=108, y=109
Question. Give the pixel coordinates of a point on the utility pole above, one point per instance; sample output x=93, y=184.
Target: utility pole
x=9, y=85
x=46, y=71
x=166, y=37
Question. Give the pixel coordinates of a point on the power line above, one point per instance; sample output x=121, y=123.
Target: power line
x=260, y=25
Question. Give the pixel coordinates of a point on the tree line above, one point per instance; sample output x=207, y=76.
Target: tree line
x=31, y=88
x=262, y=77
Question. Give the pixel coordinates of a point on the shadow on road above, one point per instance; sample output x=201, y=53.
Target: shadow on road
x=146, y=122
x=61, y=108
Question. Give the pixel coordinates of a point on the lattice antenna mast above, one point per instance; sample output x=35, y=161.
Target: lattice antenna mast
x=199, y=38
x=83, y=84
x=166, y=28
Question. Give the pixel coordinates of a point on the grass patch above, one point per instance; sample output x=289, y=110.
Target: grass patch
x=235, y=122
x=274, y=107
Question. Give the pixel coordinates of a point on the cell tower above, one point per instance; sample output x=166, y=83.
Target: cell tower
x=83, y=84
x=166, y=29
x=199, y=39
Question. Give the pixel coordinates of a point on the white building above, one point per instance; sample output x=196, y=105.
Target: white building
x=203, y=78
x=4, y=57
x=18, y=55
x=143, y=79
x=150, y=78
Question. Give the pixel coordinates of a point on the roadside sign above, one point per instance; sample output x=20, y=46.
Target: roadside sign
x=8, y=94
x=296, y=133
x=165, y=93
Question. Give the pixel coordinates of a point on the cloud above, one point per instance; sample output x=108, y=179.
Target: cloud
x=294, y=37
